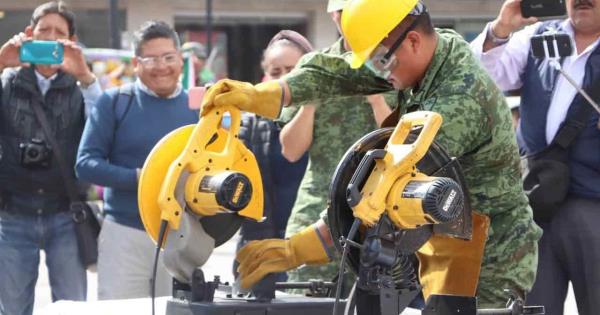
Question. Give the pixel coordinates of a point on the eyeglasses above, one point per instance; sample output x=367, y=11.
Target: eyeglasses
x=382, y=60
x=167, y=59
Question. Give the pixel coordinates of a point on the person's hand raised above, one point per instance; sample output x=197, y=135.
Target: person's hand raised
x=74, y=62
x=9, y=52
x=510, y=19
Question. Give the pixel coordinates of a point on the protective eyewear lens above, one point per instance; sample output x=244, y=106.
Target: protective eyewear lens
x=382, y=61
x=379, y=63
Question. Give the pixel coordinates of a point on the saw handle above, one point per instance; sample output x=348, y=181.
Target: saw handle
x=211, y=122
x=195, y=155
x=353, y=194
x=398, y=161
x=410, y=154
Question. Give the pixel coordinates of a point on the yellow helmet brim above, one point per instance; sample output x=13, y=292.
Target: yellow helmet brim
x=365, y=23
x=357, y=59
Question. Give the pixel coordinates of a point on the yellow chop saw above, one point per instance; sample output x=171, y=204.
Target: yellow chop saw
x=396, y=194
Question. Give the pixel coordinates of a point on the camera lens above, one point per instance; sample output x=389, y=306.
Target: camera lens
x=33, y=153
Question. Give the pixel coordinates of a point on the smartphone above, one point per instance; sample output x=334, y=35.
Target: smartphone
x=41, y=52
x=543, y=8
x=563, y=43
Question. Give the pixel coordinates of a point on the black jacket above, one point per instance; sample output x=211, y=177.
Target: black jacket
x=25, y=189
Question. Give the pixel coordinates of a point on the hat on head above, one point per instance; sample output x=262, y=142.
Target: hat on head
x=294, y=37
x=196, y=48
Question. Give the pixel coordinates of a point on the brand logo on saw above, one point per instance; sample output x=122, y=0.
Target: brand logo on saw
x=449, y=201
x=238, y=192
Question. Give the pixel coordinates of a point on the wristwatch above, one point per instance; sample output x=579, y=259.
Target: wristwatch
x=495, y=39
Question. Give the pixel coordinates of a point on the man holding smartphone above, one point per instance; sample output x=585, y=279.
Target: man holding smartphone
x=568, y=248
x=34, y=207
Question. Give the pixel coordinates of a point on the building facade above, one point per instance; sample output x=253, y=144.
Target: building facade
x=241, y=28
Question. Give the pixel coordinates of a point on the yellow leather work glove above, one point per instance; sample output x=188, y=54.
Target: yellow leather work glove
x=264, y=99
x=451, y=266
x=259, y=258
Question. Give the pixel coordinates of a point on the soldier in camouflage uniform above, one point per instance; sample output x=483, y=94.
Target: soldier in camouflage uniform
x=476, y=129
x=335, y=127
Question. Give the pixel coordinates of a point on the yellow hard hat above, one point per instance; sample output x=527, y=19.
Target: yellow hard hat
x=365, y=23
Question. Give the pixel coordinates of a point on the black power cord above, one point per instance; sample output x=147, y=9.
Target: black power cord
x=161, y=237
x=345, y=244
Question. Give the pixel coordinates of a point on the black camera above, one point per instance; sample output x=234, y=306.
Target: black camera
x=543, y=8
x=35, y=154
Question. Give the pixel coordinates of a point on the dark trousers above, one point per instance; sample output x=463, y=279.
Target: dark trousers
x=570, y=251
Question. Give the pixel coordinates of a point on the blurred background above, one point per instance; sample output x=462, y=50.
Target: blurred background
x=238, y=29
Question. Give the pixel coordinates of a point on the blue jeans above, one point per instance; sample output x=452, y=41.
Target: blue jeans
x=21, y=239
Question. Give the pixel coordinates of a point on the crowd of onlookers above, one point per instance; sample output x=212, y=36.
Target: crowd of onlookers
x=100, y=114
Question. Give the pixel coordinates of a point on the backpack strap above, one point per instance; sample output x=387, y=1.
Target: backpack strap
x=122, y=103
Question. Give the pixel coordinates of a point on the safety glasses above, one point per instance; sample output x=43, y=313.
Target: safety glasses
x=382, y=60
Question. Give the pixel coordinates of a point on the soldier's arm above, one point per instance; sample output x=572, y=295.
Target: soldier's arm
x=466, y=126
x=380, y=107
x=319, y=77
x=297, y=135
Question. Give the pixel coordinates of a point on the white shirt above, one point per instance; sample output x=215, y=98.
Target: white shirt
x=148, y=91
x=506, y=64
x=44, y=83
x=90, y=94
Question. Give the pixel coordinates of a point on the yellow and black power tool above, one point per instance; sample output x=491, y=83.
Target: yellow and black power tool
x=197, y=185
x=399, y=207
x=394, y=194
x=388, y=180
x=391, y=192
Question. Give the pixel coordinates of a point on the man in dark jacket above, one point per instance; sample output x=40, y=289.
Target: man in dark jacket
x=34, y=204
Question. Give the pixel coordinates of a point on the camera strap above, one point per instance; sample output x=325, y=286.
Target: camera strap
x=572, y=127
x=69, y=181
x=574, y=124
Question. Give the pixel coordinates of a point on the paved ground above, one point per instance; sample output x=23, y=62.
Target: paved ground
x=218, y=264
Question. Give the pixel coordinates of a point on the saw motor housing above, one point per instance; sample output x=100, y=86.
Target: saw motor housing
x=218, y=191
x=424, y=200
x=388, y=181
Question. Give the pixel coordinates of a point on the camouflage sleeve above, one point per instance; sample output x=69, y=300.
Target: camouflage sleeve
x=465, y=127
x=287, y=114
x=319, y=77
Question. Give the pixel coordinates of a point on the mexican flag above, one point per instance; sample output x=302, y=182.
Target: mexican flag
x=188, y=78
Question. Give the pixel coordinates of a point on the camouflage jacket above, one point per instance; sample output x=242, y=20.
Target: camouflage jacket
x=476, y=126
x=337, y=125
x=476, y=129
